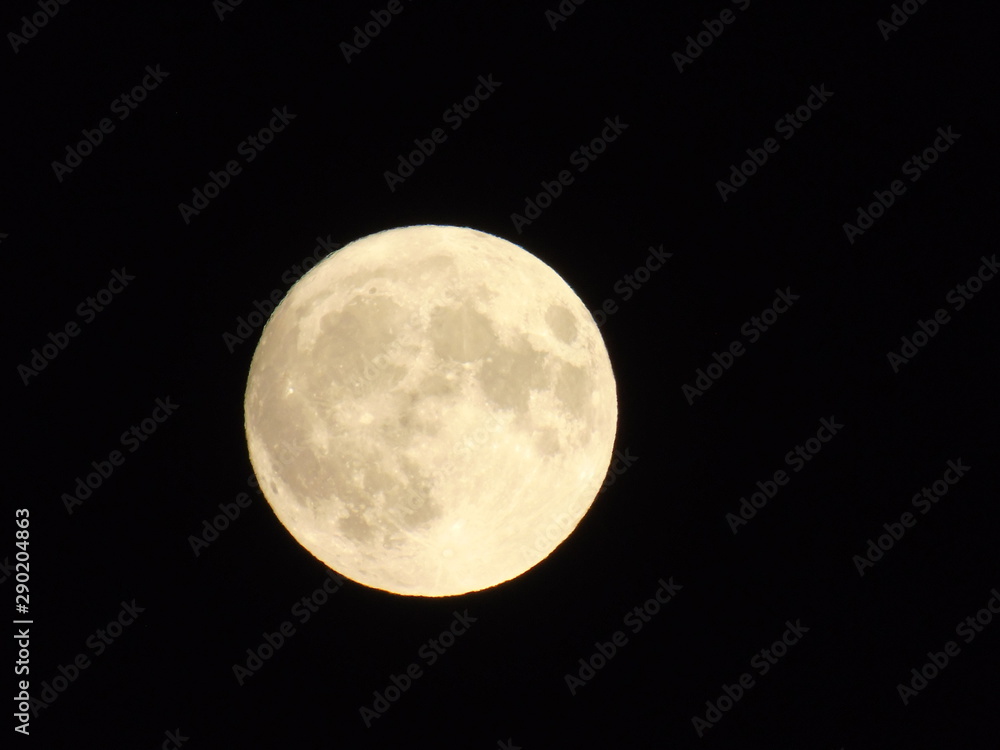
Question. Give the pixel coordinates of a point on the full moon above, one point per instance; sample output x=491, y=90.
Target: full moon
x=430, y=410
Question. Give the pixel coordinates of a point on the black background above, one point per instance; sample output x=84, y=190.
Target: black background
x=323, y=177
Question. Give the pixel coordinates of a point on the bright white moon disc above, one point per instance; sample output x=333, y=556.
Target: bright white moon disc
x=430, y=410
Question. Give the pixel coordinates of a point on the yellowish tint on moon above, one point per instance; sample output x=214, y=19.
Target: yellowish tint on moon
x=423, y=402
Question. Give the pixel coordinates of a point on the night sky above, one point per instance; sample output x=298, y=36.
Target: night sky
x=781, y=215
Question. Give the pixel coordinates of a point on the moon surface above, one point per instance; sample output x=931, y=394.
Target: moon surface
x=430, y=410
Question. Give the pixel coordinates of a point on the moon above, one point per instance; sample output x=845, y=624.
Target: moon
x=430, y=410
